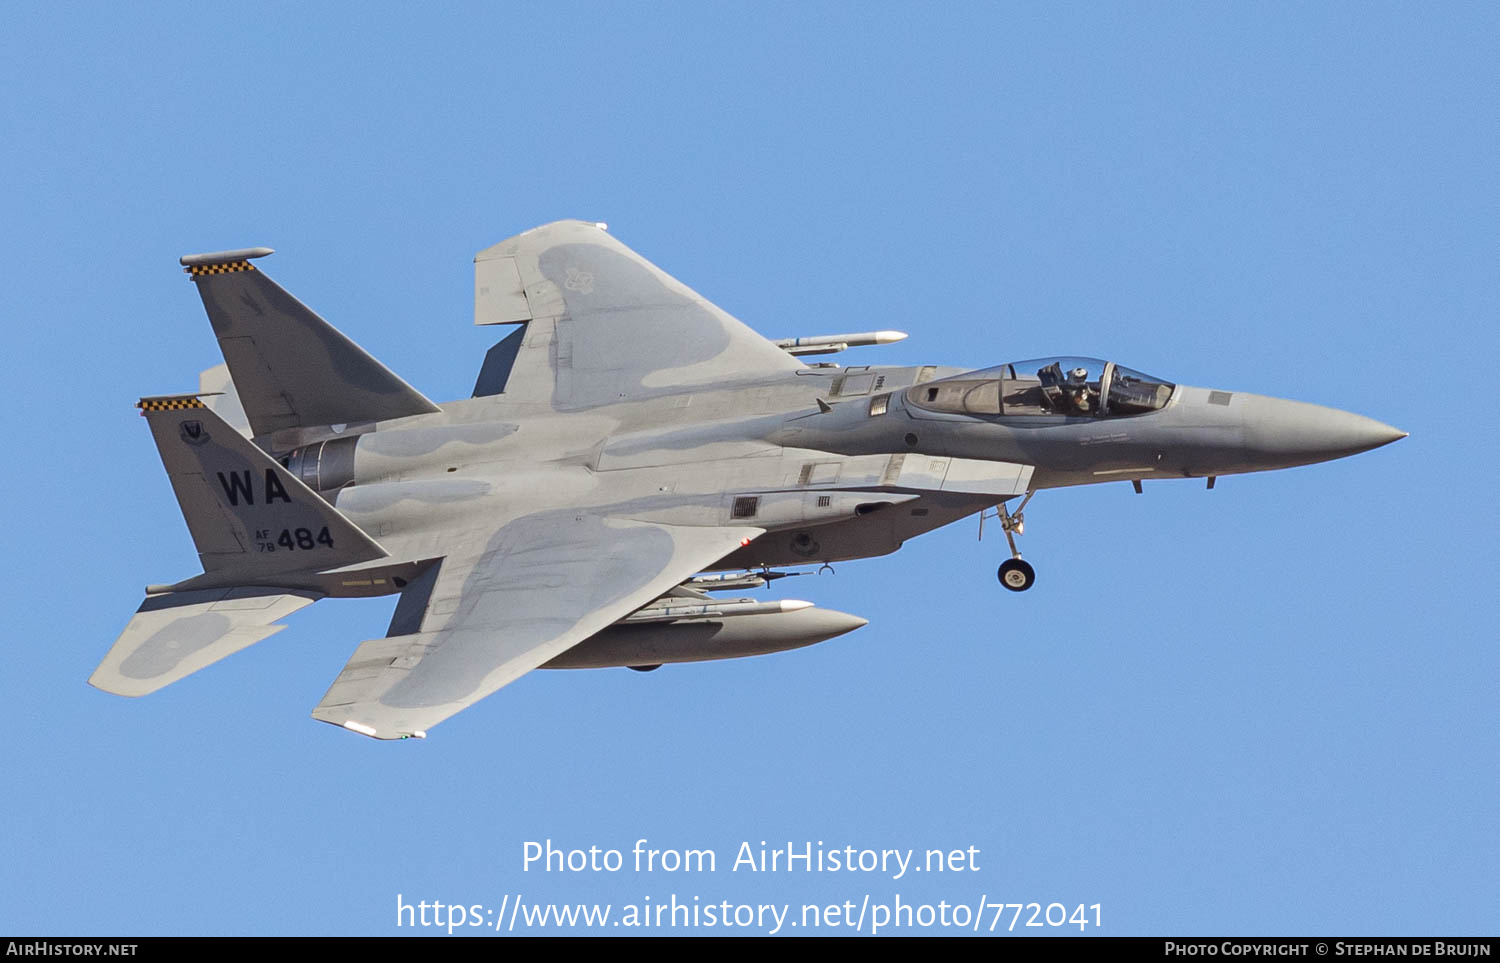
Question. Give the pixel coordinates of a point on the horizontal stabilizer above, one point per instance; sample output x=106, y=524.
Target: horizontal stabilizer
x=292, y=369
x=248, y=515
x=175, y=635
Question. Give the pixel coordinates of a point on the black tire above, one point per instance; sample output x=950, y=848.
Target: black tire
x=1017, y=575
x=644, y=668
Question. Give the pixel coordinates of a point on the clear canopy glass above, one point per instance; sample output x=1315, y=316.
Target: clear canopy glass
x=1079, y=387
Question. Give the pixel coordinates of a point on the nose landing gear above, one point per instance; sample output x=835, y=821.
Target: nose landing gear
x=1015, y=573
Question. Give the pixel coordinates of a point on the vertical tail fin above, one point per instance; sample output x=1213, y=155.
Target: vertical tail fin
x=292, y=368
x=248, y=515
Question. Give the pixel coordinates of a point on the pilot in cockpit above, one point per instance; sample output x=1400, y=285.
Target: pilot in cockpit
x=1077, y=391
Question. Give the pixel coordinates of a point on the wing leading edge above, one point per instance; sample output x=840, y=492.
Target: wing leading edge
x=498, y=609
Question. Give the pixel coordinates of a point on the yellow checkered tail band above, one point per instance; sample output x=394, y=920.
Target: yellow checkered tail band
x=228, y=267
x=167, y=404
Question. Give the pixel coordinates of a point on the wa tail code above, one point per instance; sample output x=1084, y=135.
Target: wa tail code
x=236, y=485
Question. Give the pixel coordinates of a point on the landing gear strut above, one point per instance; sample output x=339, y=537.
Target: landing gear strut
x=1016, y=573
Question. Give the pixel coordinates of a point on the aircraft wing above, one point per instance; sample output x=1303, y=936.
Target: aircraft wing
x=603, y=324
x=494, y=610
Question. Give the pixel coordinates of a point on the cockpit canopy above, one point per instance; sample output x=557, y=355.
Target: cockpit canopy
x=1080, y=387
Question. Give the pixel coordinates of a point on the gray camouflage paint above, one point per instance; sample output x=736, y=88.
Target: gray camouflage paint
x=291, y=367
x=600, y=468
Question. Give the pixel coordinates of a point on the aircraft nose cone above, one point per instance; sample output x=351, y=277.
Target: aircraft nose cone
x=1294, y=433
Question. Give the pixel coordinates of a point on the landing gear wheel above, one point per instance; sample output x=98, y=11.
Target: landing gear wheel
x=1017, y=575
x=644, y=668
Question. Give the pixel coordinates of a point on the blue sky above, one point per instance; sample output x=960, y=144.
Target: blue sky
x=1264, y=709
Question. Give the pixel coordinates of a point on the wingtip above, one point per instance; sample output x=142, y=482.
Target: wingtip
x=331, y=716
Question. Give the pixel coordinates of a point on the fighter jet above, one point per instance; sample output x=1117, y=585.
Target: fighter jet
x=630, y=452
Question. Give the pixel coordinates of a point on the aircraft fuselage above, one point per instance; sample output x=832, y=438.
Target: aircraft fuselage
x=486, y=451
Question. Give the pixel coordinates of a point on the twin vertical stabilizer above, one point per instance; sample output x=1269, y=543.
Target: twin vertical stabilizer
x=260, y=532
x=291, y=368
x=248, y=515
